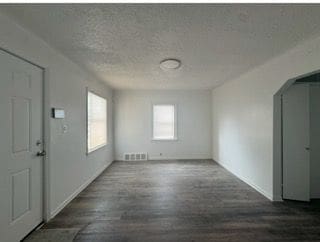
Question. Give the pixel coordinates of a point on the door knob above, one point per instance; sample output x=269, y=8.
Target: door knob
x=41, y=153
x=307, y=148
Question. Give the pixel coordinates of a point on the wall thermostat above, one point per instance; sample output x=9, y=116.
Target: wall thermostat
x=58, y=113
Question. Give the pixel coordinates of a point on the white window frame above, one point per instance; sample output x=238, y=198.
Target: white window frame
x=175, y=138
x=89, y=151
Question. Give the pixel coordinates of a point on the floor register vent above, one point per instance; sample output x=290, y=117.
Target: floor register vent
x=135, y=156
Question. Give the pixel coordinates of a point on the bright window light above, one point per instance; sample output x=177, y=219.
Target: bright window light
x=96, y=122
x=164, y=122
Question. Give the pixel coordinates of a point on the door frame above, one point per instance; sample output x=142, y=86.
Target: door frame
x=46, y=215
x=278, y=136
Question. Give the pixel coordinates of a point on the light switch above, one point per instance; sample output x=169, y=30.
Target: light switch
x=64, y=128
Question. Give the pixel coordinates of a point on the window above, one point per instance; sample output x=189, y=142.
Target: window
x=164, y=122
x=96, y=122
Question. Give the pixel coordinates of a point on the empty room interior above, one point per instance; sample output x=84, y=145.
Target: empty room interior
x=159, y=122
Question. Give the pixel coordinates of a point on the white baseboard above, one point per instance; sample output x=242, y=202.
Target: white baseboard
x=76, y=192
x=179, y=158
x=250, y=183
x=174, y=158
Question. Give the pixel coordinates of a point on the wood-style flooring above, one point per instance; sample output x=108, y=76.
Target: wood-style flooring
x=194, y=200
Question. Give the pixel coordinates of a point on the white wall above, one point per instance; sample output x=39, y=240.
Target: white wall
x=133, y=120
x=243, y=116
x=70, y=167
x=315, y=140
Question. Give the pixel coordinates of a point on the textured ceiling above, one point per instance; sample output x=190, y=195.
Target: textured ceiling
x=123, y=44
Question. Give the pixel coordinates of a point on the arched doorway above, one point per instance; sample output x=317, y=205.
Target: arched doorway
x=296, y=166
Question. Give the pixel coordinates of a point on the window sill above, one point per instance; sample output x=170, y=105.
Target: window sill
x=175, y=139
x=96, y=148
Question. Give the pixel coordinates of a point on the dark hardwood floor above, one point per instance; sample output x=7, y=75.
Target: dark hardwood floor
x=182, y=201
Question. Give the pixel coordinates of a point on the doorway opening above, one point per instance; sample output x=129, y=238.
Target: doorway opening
x=297, y=139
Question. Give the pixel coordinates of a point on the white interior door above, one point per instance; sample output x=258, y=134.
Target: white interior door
x=20, y=140
x=315, y=141
x=296, y=157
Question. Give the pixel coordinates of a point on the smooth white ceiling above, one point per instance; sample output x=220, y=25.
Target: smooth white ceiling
x=123, y=44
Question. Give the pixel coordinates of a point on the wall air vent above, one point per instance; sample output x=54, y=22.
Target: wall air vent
x=135, y=156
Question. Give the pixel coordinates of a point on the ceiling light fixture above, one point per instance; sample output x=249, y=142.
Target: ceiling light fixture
x=170, y=64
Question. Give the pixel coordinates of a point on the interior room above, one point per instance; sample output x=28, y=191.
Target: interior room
x=159, y=122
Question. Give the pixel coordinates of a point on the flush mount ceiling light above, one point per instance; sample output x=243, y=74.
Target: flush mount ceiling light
x=170, y=64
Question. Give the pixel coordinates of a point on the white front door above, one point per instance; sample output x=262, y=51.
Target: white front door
x=296, y=139
x=21, y=138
